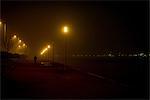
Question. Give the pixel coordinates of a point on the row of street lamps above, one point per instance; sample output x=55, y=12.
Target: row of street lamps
x=65, y=30
x=17, y=45
x=45, y=49
x=10, y=43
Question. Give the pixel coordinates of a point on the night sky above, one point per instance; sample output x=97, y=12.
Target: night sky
x=93, y=25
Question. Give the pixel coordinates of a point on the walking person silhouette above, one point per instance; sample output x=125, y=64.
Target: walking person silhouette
x=35, y=59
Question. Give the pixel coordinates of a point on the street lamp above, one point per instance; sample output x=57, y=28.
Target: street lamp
x=14, y=37
x=48, y=46
x=5, y=41
x=24, y=45
x=13, y=44
x=19, y=46
x=65, y=31
x=44, y=51
x=48, y=53
x=19, y=41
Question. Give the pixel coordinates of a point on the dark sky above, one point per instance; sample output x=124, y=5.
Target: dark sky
x=92, y=25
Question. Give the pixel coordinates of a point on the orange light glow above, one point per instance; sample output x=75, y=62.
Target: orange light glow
x=24, y=44
x=14, y=37
x=48, y=46
x=44, y=51
x=19, y=41
x=65, y=29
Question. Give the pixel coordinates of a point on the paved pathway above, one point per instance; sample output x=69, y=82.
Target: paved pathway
x=35, y=81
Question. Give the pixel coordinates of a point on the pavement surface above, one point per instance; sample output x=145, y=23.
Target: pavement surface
x=28, y=80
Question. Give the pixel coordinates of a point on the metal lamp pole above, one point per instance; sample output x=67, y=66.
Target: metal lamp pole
x=3, y=24
x=53, y=52
x=65, y=29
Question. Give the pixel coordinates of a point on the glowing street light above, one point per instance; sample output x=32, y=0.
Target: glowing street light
x=19, y=46
x=24, y=45
x=41, y=53
x=65, y=29
x=14, y=37
x=44, y=51
x=48, y=46
x=48, y=52
x=0, y=22
x=19, y=41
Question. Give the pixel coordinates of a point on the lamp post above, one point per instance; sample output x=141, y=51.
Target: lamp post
x=0, y=35
x=49, y=53
x=5, y=41
x=65, y=31
x=53, y=53
x=5, y=38
x=46, y=50
x=12, y=41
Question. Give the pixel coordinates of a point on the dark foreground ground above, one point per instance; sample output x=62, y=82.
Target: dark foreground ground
x=28, y=80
